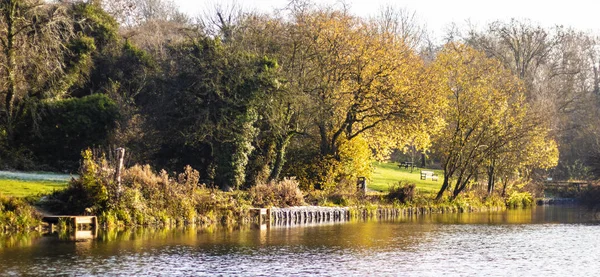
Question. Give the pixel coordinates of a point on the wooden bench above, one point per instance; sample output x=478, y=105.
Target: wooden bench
x=406, y=165
x=428, y=174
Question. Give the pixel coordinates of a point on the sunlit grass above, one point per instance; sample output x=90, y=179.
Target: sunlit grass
x=24, y=188
x=20, y=184
x=389, y=174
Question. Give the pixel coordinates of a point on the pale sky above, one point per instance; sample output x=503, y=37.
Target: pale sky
x=583, y=15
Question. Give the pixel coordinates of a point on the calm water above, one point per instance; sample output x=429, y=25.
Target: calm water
x=552, y=241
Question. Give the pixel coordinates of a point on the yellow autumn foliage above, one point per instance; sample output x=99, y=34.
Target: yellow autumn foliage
x=489, y=124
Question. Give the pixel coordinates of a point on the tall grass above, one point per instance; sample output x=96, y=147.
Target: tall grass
x=402, y=192
x=147, y=197
x=277, y=194
x=17, y=214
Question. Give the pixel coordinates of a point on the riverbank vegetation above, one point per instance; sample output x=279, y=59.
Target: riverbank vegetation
x=268, y=107
x=17, y=215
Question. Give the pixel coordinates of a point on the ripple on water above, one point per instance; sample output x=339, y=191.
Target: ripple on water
x=354, y=249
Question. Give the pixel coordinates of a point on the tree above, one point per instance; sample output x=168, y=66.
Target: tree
x=41, y=56
x=131, y=13
x=523, y=48
x=487, y=118
x=344, y=78
x=557, y=67
x=403, y=24
x=359, y=78
x=211, y=104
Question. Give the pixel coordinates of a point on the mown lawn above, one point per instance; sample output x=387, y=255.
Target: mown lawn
x=24, y=188
x=389, y=174
x=19, y=184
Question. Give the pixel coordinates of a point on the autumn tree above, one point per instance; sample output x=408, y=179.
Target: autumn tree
x=487, y=118
x=557, y=67
x=359, y=79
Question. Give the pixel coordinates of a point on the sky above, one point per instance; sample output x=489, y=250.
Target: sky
x=437, y=15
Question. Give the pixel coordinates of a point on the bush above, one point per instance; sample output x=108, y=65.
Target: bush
x=332, y=173
x=284, y=193
x=91, y=191
x=519, y=199
x=147, y=197
x=402, y=192
x=17, y=214
x=68, y=127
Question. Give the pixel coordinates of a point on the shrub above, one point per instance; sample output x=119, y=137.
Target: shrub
x=91, y=191
x=17, y=214
x=69, y=126
x=284, y=193
x=519, y=199
x=332, y=173
x=402, y=192
x=147, y=197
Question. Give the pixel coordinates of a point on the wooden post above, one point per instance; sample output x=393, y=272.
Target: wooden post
x=361, y=185
x=95, y=224
x=120, y=157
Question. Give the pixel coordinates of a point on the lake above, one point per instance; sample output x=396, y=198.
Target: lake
x=545, y=241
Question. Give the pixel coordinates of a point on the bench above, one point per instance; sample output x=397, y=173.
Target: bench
x=428, y=174
x=405, y=165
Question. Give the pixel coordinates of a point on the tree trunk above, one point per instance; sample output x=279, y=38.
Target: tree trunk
x=457, y=187
x=325, y=147
x=9, y=52
x=491, y=180
x=504, y=187
x=281, y=146
x=445, y=186
x=461, y=185
x=233, y=155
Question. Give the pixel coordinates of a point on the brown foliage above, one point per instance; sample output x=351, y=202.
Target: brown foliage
x=402, y=192
x=279, y=194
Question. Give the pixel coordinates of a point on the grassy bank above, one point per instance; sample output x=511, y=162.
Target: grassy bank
x=387, y=175
x=21, y=184
x=17, y=215
x=25, y=188
x=150, y=198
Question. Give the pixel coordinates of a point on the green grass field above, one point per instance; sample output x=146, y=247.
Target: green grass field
x=19, y=184
x=389, y=174
x=385, y=176
x=24, y=188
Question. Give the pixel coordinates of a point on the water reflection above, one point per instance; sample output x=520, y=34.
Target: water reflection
x=552, y=241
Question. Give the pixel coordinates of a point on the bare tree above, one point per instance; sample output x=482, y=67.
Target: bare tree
x=404, y=24
x=222, y=20
x=130, y=13
x=34, y=40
